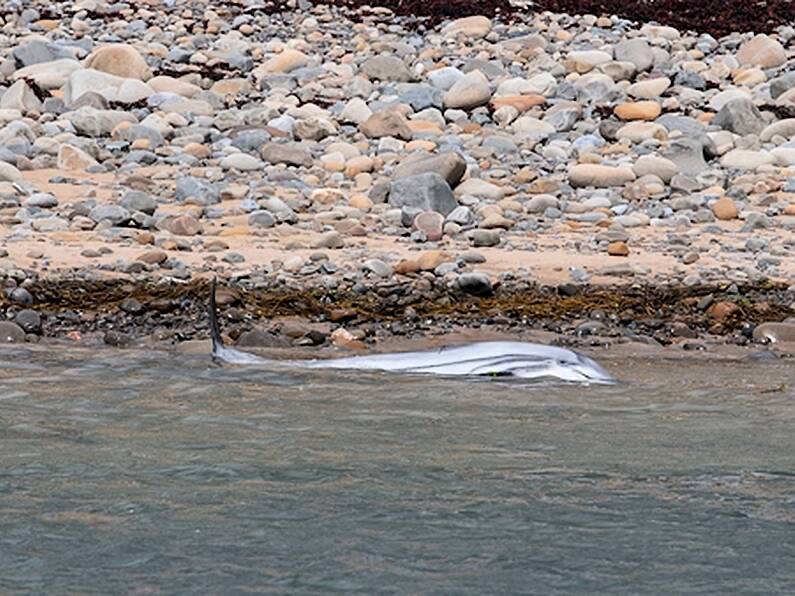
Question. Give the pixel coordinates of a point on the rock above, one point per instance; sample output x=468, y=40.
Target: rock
x=638, y=110
x=583, y=61
x=72, y=158
x=654, y=165
x=482, y=237
x=356, y=111
x=740, y=116
x=385, y=68
x=563, y=115
x=287, y=61
x=121, y=60
x=286, y=153
x=649, y=88
x=639, y=131
x=724, y=209
x=314, y=128
x=477, y=284
x=474, y=26
x=782, y=128
x=720, y=311
x=137, y=200
x=152, y=257
x=600, y=176
x=200, y=191
x=743, y=159
x=20, y=97
x=377, y=267
x=476, y=187
x=28, y=320
x=470, y=91
x=97, y=123
x=11, y=333
x=242, y=162
x=636, y=51
x=330, y=240
x=38, y=51
x=532, y=127
x=386, y=123
x=618, y=249
x=762, y=51
x=48, y=75
x=163, y=84
x=9, y=173
x=261, y=219
x=115, y=214
x=688, y=155
x=426, y=192
x=180, y=225
x=450, y=165
x=431, y=224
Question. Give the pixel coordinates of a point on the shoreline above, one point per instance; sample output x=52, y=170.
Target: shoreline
x=130, y=313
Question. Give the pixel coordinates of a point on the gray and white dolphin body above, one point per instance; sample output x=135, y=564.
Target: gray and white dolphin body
x=492, y=358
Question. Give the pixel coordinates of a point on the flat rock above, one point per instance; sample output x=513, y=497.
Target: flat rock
x=385, y=68
x=600, y=176
x=474, y=26
x=386, y=123
x=744, y=159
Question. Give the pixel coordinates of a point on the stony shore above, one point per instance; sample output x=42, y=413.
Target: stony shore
x=351, y=179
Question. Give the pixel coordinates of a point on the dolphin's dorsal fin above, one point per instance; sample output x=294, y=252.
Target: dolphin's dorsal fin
x=215, y=330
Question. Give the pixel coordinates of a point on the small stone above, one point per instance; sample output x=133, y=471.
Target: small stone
x=470, y=91
x=29, y=320
x=431, y=259
x=152, y=257
x=285, y=62
x=431, y=224
x=182, y=225
x=131, y=306
x=386, y=123
x=638, y=110
x=72, y=158
x=477, y=284
x=378, y=267
x=618, y=249
x=725, y=209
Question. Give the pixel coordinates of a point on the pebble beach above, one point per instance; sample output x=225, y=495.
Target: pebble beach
x=351, y=175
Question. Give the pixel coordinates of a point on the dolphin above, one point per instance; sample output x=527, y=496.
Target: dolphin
x=488, y=358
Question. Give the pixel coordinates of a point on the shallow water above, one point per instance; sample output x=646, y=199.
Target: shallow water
x=131, y=473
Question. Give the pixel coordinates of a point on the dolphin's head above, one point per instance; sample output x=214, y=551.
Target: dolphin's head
x=588, y=370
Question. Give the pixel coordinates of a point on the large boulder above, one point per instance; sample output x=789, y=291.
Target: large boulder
x=426, y=192
x=740, y=116
x=120, y=59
